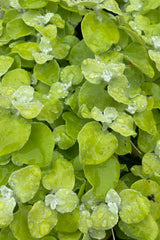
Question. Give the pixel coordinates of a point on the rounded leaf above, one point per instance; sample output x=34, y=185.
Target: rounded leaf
x=106, y=31
x=150, y=190
x=48, y=72
x=134, y=206
x=39, y=147
x=103, y=176
x=25, y=182
x=95, y=146
x=11, y=129
x=41, y=219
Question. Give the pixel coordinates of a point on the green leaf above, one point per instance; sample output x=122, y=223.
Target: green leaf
x=63, y=140
x=15, y=78
x=145, y=121
x=153, y=90
x=31, y=4
x=103, y=176
x=25, y=182
x=11, y=129
x=150, y=164
x=71, y=74
x=52, y=109
x=118, y=89
x=7, y=205
x=39, y=147
x=150, y=190
x=6, y=234
x=150, y=4
x=68, y=222
x=5, y=64
x=147, y=229
x=16, y=28
x=5, y=172
x=106, y=34
x=69, y=236
x=79, y=52
x=60, y=176
x=137, y=55
x=134, y=206
x=41, y=219
x=123, y=124
x=146, y=142
x=89, y=95
x=124, y=144
x=47, y=73
x=21, y=219
x=49, y=31
x=26, y=50
x=95, y=146
x=73, y=124
x=103, y=218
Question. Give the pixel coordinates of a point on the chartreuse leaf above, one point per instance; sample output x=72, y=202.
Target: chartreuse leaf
x=105, y=178
x=103, y=218
x=85, y=221
x=107, y=116
x=134, y=206
x=38, y=149
x=60, y=176
x=124, y=144
x=150, y=164
x=5, y=172
x=107, y=32
x=118, y=89
x=25, y=182
x=52, y=109
x=15, y=78
x=111, y=5
x=151, y=190
x=26, y=49
x=95, y=146
x=69, y=236
x=148, y=5
x=157, y=148
x=137, y=54
x=59, y=49
x=154, y=55
x=123, y=124
x=22, y=100
x=68, y=222
x=79, y=52
x=89, y=95
x=145, y=121
x=7, y=205
x=41, y=219
x=90, y=200
x=71, y=74
x=21, y=219
x=49, y=31
x=5, y=64
x=31, y=4
x=48, y=72
x=6, y=234
x=92, y=70
x=146, y=142
x=63, y=201
x=62, y=139
x=11, y=129
x=16, y=28
x=147, y=229
x=73, y=124
x=152, y=89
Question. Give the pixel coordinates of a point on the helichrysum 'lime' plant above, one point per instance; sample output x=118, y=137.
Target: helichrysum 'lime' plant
x=79, y=119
